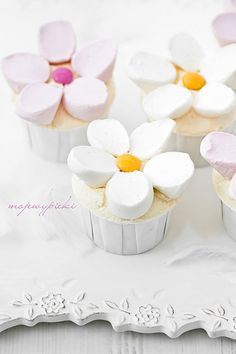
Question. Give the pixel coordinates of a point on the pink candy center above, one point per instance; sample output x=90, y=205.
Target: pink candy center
x=62, y=76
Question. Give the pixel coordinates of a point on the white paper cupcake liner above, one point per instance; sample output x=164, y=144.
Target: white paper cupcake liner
x=229, y=220
x=123, y=238
x=53, y=144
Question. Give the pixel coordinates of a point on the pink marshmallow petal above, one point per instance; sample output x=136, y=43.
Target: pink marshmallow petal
x=97, y=60
x=219, y=149
x=224, y=28
x=21, y=69
x=57, y=41
x=86, y=98
x=39, y=102
x=229, y=5
x=232, y=187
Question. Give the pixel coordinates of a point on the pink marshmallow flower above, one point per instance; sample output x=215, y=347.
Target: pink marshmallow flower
x=219, y=149
x=43, y=82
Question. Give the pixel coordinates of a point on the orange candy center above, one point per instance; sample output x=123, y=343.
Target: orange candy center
x=193, y=81
x=128, y=163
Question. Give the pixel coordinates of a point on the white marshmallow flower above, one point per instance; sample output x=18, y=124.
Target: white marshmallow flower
x=130, y=167
x=189, y=80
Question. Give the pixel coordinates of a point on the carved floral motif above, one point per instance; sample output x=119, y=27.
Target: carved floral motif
x=148, y=315
x=53, y=303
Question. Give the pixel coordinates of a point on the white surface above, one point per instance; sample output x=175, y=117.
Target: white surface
x=30, y=175
x=100, y=338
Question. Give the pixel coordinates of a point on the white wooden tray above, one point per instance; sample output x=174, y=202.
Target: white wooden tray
x=50, y=271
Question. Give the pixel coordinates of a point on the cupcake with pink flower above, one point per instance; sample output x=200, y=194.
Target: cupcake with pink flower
x=61, y=89
x=127, y=186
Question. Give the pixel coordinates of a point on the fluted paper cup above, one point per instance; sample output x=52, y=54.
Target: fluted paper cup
x=54, y=144
x=228, y=205
x=229, y=220
x=124, y=238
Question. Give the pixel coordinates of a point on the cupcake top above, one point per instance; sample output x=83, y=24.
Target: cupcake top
x=219, y=149
x=190, y=86
x=131, y=168
x=60, y=75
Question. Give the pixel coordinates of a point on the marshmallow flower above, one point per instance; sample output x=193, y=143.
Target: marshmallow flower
x=130, y=167
x=219, y=149
x=80, y=85
x=189, y=80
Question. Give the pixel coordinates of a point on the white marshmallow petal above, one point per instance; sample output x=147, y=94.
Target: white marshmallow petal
x=21, y=69
x=186, y=52
x=93, y=166
x=96, y=60
x=167, y=101
x=221, y=66
x=109, y=135
x=150, y=139
x=150, y=71
x=170, y=172
x=39, y=102
x=129, y=195
x=214, y=100
x=86, y=98
x=57, y=41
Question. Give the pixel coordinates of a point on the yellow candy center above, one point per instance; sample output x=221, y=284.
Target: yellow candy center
x=193, y=81
x=128, y=163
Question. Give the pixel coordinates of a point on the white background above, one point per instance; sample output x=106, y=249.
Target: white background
x=143, y=23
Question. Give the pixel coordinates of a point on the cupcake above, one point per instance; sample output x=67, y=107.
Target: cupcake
x=219, y=149
x=193, y=89
x=59, y=91
x=127, y=186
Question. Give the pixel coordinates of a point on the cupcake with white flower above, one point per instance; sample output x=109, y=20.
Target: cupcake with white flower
x=194, y=89
x=127, y=186
x=219, y=150
x=59, y=91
